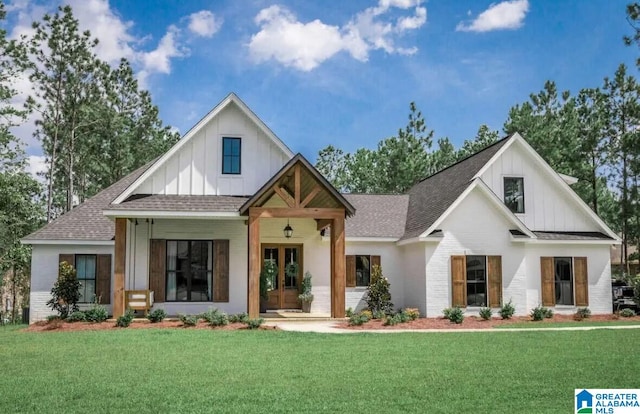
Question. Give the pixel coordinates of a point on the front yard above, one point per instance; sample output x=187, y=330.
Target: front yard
x=183, y=370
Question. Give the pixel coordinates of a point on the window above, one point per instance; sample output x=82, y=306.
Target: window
x=86, y=273
x=563, y=280
x=476, y=280
x=189, y=270
x=514, y=194
x=230, y=155
x=363, y=270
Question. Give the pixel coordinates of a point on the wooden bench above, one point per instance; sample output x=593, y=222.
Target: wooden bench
x=138, y=300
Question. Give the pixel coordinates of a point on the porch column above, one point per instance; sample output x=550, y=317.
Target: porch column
x=253, y=291
x=338, y=268
x=118, y=274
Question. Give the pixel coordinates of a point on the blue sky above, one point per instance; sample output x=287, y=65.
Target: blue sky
x=344, y=72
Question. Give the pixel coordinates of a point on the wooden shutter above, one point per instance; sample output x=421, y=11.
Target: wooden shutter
x=103, y=278
x=495, y=280
x=69, y=258
x=351, y=271
x=375, y=261
x=547, y=271
x=458, y=281
x=157, y=269
x=221, y=270
x=581, y=280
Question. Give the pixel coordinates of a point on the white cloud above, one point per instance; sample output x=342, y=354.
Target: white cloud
x=305, y=46
x=500, y=16
x=204, y=23
x=37, y=164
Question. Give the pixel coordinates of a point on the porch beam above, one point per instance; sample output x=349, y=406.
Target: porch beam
x=119, y=266
x=253, y=293
x=296, y=184
x=280, y=212
x=310, y=196
x=323, y=223
x=284, y=195
x=338, y=268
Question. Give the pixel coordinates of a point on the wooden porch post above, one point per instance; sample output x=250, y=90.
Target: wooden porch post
x=253, y=293
x=338, y=268
x=118, y=274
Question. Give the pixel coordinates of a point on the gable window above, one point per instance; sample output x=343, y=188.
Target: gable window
x=86, y=274
x=359, y=269
x=564, y=281
x=476, y=281
x=231, y=155
x=189, y=270
x=514, y=194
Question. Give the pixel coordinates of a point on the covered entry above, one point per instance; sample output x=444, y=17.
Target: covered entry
x=305, y=193
x=285, y=286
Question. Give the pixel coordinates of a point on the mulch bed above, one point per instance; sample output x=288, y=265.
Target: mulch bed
x=60, y=326
x=474, y=322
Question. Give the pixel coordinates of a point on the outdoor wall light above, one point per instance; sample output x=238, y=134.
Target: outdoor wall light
x=288, y=231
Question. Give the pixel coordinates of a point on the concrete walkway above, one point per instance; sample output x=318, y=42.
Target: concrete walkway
x=330, y=327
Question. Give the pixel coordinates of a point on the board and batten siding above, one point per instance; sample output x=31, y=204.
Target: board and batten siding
x=196, y=168
x=547, y=206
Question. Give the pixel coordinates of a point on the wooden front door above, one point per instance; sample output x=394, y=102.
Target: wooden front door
x=285, y=288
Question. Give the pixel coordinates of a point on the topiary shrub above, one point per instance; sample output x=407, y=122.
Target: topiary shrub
x=486, y=313
x=157, y=315
x=215, y=317
x=254, y=323
x=188, y=320
x=239, y=318
x=65, y=293
x=507, y=310
x=455, y=315
x=97, y=313
x=378, y=295
x=125, y=320
x=627, y=313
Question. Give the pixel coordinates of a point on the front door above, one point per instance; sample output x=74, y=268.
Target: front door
x=285, y=288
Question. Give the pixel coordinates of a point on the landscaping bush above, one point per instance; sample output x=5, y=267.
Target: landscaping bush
x=157, y=315
x=539, y=313
x=77, y=316
x=584, y=313
x=627, y=313
x=455, y=315
x=188, y=320
x=65, y=293
x=379, y=314
x=392, y=320
x=239, y=318
x=486, y=313
x=378, y=295
x=507, y=310
x=53, y=318
x=215, y=317
x=359, y=318
x=548, y=313
x=349, y=312
x=402, y=317
x=367, y=313
x=125, y=320
x=254, y=323
x=97, y=313
x=413, y=313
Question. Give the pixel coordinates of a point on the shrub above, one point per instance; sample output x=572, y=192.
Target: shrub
x=215, y=317
x=392, y=320
x=360, y=318
x=65, y=293
x=77, y=316
x=507, y=310
x=379, y=314
x=239, y=318
x=486, y=313
x=413, y=313
x=53, y=318
x=125, y=320
x=455, y=315
x=538, y=313
x=627, y=313
x=306, y=295
x=254, y=323
x=548, y=313
x=584, y=313
x=378, y=295
x=97, y=313
x=402, y=317
x=349, y=312
x=367, y=313
x=157, y=315
x=188, y=320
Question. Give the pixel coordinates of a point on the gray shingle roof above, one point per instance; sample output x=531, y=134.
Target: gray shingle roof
x=86, y=221
x=431, y=197
x=571, y=235
x=377, y=215
x=205, y=203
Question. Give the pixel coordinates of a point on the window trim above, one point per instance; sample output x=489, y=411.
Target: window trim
x=486, y=280
x=95, y=273
x=356, y=269
x=572, y=281
x=239, y=156
x=504, y=193
x=188, y=272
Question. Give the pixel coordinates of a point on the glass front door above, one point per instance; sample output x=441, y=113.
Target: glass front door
x=284, y=287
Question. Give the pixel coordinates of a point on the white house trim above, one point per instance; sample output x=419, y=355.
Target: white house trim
x=366, y=239
x=231, y=98
x=540, y=241
x=418, y=240
x=174, y=214
x=70, y=242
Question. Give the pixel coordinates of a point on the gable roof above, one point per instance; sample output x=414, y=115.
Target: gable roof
x=86, y=221
x=431, y=197
x=232, y=98
x=377, y=215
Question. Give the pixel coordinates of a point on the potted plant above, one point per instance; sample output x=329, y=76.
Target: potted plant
x=267, y=276
x=306, y=297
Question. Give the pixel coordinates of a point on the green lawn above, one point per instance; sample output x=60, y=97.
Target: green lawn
x=583, y=323
x=181, y=370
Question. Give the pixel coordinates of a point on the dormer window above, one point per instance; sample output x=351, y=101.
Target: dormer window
x=514, y=194
x=231, y=155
